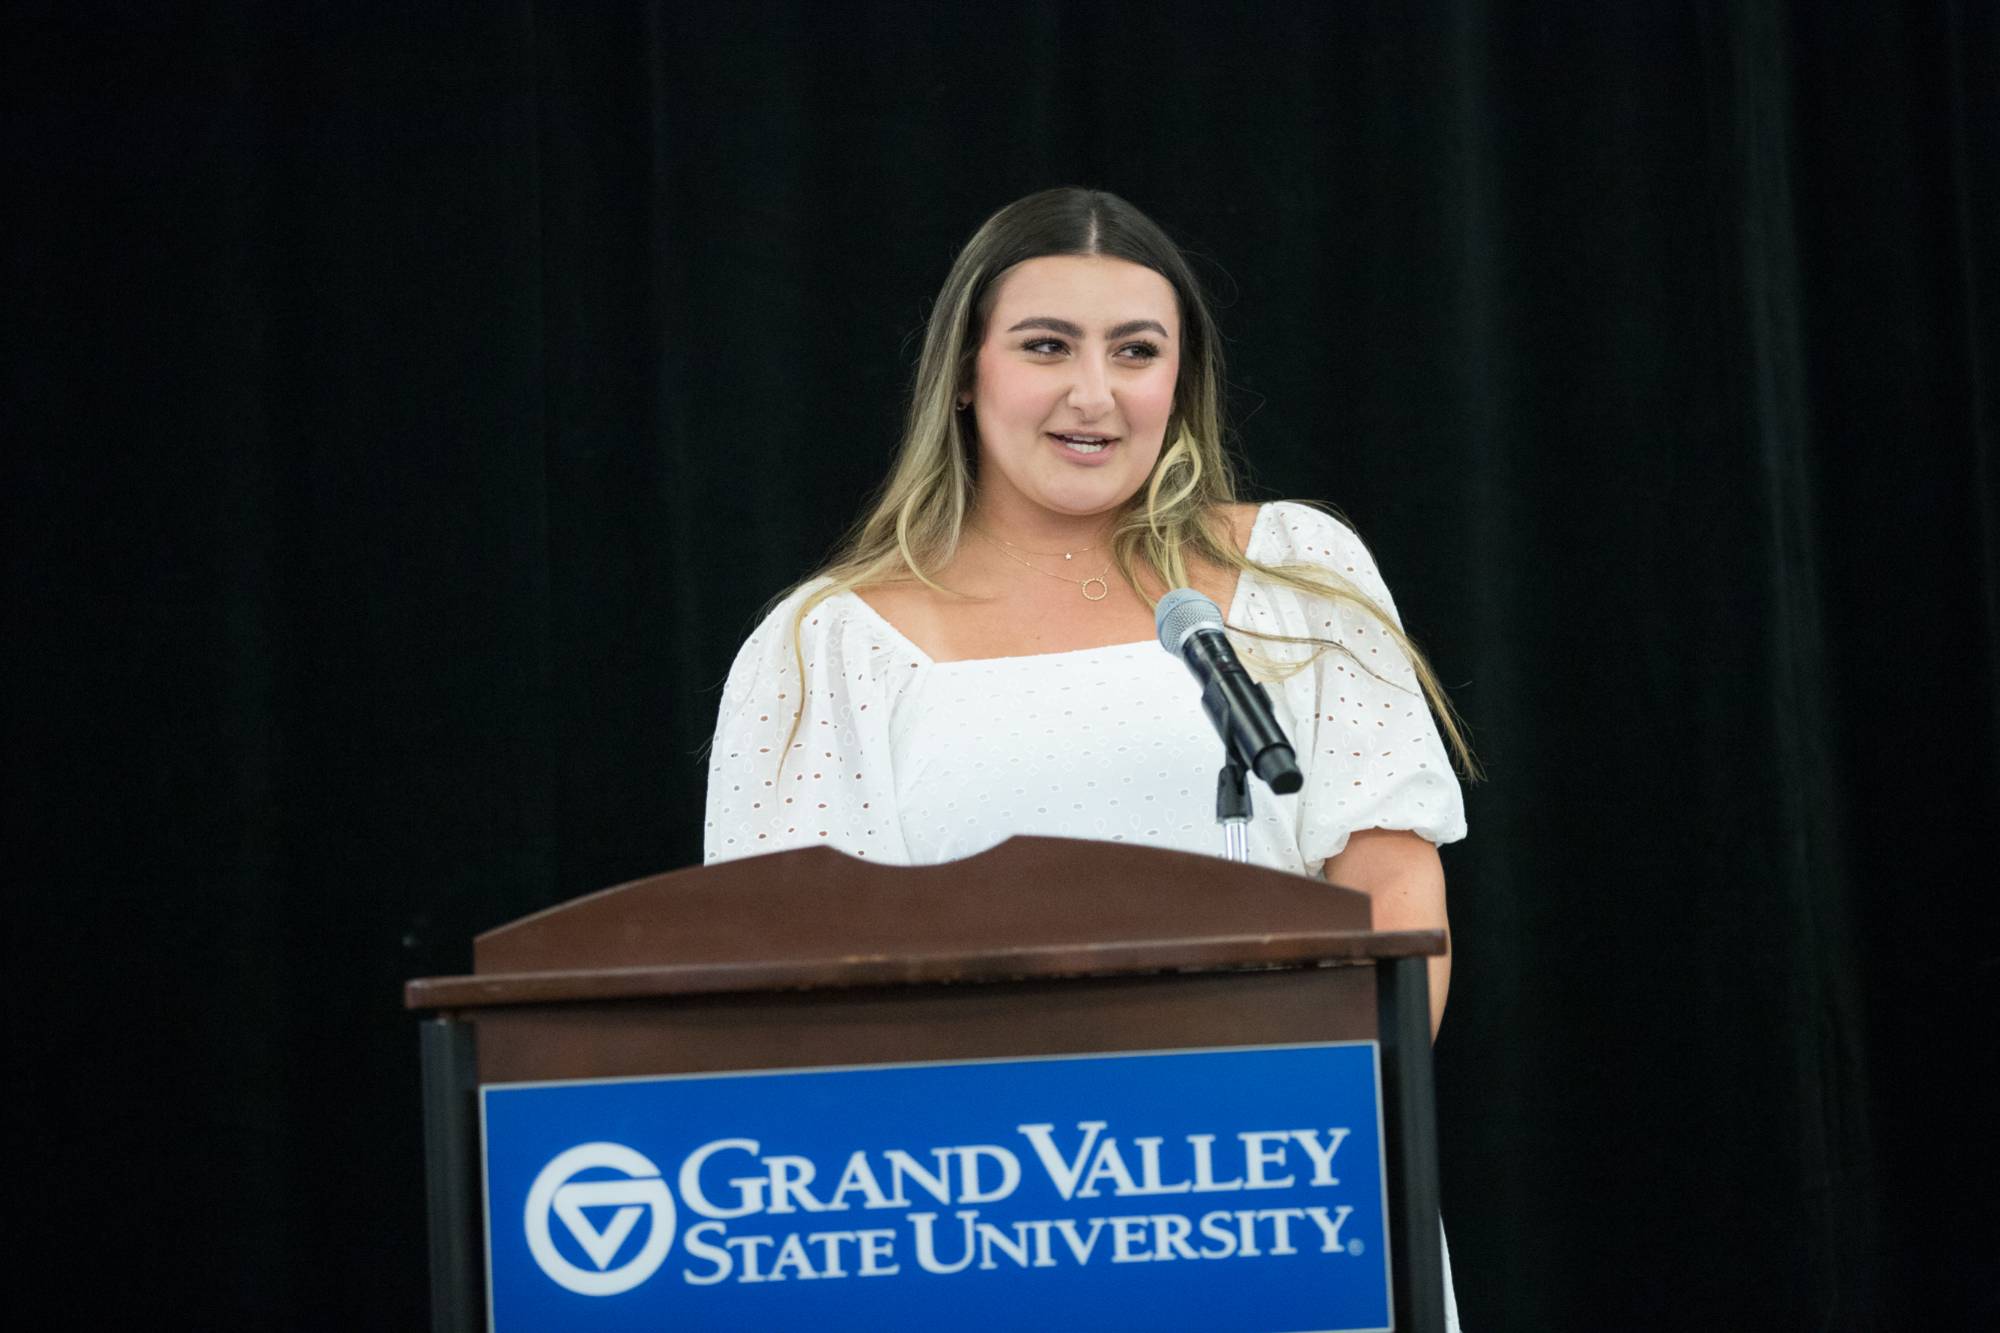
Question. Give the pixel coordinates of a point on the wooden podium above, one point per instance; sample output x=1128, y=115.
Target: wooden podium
x=1041, y=946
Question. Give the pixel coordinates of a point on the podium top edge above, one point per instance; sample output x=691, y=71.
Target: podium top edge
x=812, y=903
x=1225, y=953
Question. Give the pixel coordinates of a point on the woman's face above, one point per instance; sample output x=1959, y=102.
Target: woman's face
x=1073, y=385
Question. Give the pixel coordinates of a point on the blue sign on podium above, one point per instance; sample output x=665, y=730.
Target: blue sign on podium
x=1227, y=1191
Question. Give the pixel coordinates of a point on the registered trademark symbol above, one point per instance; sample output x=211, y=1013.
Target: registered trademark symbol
x=1355, y=1247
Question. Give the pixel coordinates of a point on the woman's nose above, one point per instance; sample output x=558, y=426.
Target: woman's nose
x=1090, y=392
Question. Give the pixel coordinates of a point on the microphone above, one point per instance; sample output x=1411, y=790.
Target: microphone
x=1190, y=627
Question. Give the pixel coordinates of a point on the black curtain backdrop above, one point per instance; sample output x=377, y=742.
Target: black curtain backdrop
x=409, y=407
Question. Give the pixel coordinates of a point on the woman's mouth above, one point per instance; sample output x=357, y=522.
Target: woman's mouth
x=1083, y=446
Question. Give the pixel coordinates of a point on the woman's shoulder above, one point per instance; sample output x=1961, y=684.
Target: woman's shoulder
x=778, y=616
x=824, y=625
x=904, y=607
x=1280, y=532
x=1312, y=540
x=1239, y=523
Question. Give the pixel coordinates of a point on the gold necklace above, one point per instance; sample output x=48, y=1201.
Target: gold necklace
x=1103, y=588
x=1046, y=555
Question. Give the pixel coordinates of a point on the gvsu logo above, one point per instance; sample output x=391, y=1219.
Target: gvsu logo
x=637, y=1190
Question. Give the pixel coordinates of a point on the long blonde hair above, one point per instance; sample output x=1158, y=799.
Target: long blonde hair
x=919, y=516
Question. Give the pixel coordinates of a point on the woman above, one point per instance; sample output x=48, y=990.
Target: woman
x=978, y=660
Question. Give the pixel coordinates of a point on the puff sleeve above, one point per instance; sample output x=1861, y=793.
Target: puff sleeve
x=835, y=783
x=1370, y=751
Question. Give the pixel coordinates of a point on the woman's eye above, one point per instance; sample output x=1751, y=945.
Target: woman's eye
x=1138, y=351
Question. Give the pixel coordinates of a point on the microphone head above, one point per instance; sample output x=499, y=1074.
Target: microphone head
x=1182, y=612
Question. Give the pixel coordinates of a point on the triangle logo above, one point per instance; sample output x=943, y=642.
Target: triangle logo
x=600, y=1245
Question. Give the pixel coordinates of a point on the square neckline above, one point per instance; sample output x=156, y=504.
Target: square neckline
x=1229, y=615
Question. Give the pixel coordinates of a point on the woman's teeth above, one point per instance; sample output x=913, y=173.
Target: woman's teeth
x=1084, y=446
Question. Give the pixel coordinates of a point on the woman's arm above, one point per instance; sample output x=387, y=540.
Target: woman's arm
x=1401, y=874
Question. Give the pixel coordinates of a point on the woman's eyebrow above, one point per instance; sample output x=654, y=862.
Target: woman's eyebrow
x=1068, y=329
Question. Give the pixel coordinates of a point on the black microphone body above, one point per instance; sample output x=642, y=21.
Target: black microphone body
x=1236, y=704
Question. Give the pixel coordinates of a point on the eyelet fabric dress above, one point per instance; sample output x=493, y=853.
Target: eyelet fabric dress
x=902, y=759
x=907, y=760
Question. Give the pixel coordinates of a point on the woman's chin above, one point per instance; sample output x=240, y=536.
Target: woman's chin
x=1097, y=491
x=1097, y=501
x=1063, y=491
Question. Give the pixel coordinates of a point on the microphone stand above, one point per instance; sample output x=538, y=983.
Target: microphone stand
x=1191, y=628
x=1232, y=807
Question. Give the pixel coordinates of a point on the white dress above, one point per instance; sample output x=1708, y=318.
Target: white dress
x=911, y=761
x=902, y=759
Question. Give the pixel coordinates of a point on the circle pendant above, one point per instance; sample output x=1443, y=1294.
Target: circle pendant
x=1103, y=589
